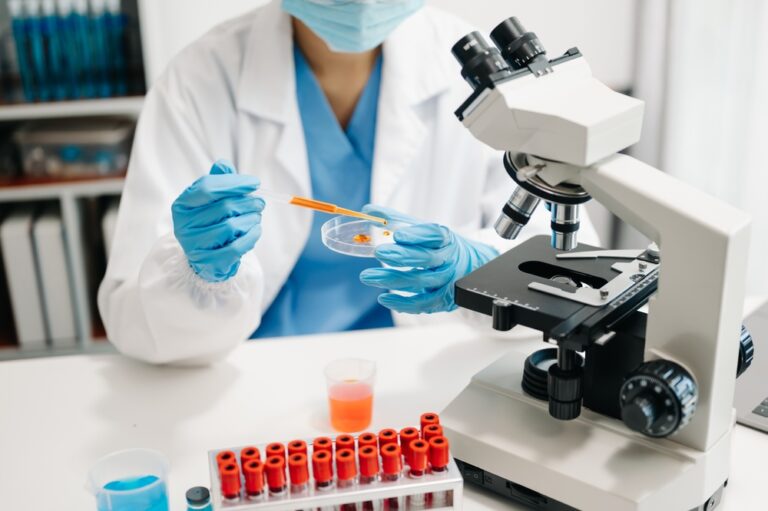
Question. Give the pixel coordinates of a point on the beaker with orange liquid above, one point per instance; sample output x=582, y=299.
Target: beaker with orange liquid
x=350, y=393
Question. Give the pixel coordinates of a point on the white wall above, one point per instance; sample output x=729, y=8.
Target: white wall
x=604, y=30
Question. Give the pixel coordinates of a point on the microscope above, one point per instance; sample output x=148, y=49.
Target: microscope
x=626, y=410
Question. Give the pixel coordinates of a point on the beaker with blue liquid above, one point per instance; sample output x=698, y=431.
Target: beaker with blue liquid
x=130, y=480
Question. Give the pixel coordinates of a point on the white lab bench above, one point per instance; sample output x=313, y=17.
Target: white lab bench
x=59, y=415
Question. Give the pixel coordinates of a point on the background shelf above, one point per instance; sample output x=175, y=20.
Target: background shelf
x=128, y=106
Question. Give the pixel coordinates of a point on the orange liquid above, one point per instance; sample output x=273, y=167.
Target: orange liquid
x=351, y=406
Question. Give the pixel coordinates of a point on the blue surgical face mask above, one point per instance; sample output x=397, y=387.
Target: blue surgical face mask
x=352, y=26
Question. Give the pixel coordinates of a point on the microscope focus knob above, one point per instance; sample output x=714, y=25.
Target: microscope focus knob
x=746, y=351
x=658, y=398
x=501, y=314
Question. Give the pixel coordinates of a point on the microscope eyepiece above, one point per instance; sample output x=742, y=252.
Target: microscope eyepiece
x=479, y=60
x=520, y=48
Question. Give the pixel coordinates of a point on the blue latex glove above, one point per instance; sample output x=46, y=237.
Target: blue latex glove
x=435, y=257
x=216, y=221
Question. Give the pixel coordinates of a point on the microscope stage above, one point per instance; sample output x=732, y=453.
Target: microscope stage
x=508, y=277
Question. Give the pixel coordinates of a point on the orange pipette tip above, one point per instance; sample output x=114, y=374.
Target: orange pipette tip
x=327, y=207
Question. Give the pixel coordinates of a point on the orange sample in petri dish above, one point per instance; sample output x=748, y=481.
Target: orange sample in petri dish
x=361, y=238
x=351, y=405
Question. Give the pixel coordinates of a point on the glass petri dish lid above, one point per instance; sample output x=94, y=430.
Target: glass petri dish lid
x=358, y=238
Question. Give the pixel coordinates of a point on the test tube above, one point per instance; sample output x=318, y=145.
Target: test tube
x=322, y=443
x=439, y=454
x=275, y=469
x=225, y=458
x=429, y=418
x=346, y=472
x=387, y=436
x=276, y=449
x=249, y=453
x=439, y=457
x=431, y=431
x=299, y=472
x=368, y=457
x=229, y=474
x=407, y=435
x=297, y=447
x=366, y=438
x=322, y=469
x=391, y=465
x=253, y=472
x=419, y=451
x=345, y=442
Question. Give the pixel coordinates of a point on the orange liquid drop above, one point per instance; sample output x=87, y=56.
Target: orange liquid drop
x=351, y=406
x=361, y=238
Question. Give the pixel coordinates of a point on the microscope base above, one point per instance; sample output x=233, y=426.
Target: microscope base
x=594, y=462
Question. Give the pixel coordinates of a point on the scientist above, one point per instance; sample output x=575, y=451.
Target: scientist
x=349, y=102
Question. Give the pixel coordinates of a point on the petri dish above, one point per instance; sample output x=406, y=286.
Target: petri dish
x=359, y=238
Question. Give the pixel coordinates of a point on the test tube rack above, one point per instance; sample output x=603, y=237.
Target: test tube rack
x=433, y=488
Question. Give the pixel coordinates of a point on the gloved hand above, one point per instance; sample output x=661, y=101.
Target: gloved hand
x=435, y=257
x=216, y=221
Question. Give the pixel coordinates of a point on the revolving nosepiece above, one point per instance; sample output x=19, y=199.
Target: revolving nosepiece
x=516, y=213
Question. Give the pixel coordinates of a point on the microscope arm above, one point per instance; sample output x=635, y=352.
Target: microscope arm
x=696, y=314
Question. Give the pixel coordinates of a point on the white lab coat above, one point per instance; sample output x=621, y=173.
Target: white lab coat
x=231, y=95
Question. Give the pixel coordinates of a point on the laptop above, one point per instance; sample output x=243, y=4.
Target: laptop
x=752, y=386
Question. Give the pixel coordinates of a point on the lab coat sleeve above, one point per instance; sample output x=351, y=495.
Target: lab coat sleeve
x=154, y=307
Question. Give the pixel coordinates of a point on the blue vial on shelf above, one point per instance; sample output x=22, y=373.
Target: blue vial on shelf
x=199, y=499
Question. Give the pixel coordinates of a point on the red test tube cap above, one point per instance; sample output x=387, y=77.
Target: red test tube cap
x=225, y=458
x=298, y=468
x=439, y=452
x=346, y=468
x=322, y=443
x=297, y=447
x=345, y=442
x=275, y=473
x=408, y=435
x=391, y=462
x=230, y=480
x=387, y=436
x=419, y=450
x=431, y=431
x=253, y=470
x=369, y=461
x=275, y=449
x=322, y=467
x=367, y=438
x=249, y=453
x=429, y=418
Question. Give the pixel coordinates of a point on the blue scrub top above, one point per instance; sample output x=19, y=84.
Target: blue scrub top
x=323, y=292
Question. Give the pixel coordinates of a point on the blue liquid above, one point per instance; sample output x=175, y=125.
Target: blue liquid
x=154, y=498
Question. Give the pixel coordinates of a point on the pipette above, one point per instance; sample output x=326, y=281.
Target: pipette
x=325, y=207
